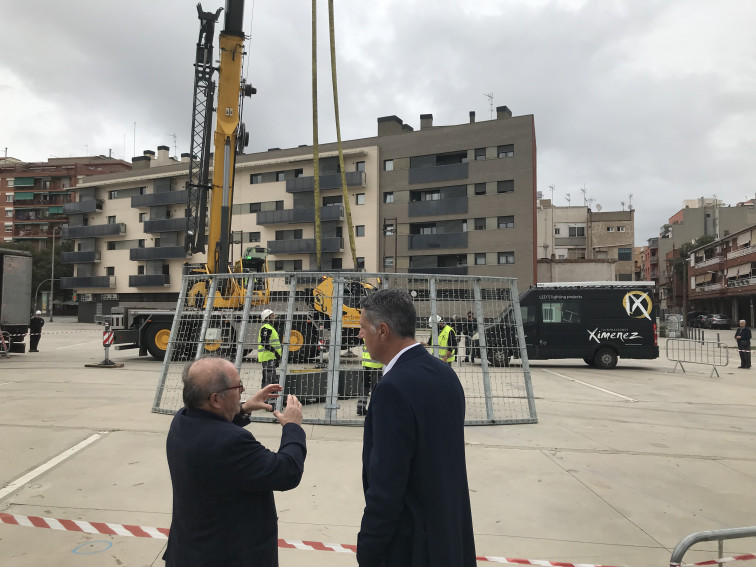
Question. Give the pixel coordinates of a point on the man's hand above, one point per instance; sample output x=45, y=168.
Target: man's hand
x=292, y=413
x=258, y=401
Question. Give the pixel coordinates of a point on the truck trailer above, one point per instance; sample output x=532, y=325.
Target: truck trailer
x=15, y=297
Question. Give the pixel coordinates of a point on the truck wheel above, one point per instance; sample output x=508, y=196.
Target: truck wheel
x=303, y=342
x=498, y=357
x=605, y=359
x=157, y=338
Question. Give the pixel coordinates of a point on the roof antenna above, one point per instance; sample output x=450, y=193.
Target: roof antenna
x=490, y=102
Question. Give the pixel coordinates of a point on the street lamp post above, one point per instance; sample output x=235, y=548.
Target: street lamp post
x=52, y=275
x=36, y=293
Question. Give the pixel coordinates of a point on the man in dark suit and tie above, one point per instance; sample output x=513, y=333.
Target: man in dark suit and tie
x=223, y=478
x=417, y=504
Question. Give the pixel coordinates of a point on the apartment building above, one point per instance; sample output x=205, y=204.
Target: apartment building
x=580, y=244
x=33, y=194
x=442, y=200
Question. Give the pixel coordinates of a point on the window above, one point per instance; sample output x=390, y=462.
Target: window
x=388, y=165
x=360, y=198
x=624, y=254
x=335, y=263
x=278, y=266
x=431, y=195
x=506, y=258
x=480, y=154
x=255, y=178
x=280, y=176
x=168, y=214
x=561, y=312
x=505, y=186
x=388, y=230
x=505, y=222
x=298, y=172
x=332, y=201
x=112, y=194
x=110, y=271
x=556, y=231
x=251, y=237
x=480, y=259
x=620, y=229
x=140, y=270
x=255, y=207
x=8, y=228
x=480, y=188
x=8, y=198
x=359, y=166
x=426, y=229
x=142, y=217
x=359, y=230
x=577, y=231
x=610, y=229
x=505, y=151
x=480, y=224
x=111, y=219
x=140, y=243
x=388, y=197
x=157, y=242
x=360, y=263
x=388, y=262
x=8, y=212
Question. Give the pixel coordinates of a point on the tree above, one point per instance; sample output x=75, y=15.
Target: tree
x=41, y=264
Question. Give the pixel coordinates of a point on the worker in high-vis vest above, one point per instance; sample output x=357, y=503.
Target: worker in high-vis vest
x=447, y=339
x=268, y=348
x=372, y=370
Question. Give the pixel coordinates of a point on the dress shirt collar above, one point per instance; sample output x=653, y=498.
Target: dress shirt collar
x=390, y=365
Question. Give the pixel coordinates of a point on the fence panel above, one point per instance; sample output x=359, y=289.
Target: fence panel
x=322, y=355
x=712, y=353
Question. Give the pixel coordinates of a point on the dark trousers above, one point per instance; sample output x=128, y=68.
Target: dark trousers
x=744, y=349
x=34, y=340
x=269, y=373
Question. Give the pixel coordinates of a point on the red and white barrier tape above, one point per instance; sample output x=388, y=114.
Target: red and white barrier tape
x=743, y=557
x=107, y=528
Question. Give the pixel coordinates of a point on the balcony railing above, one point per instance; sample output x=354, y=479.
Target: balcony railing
x=86, y=257
x=740, y=282
x=165, y=225
x=570, y=241
x=305, y=245
x=329, y=181
x=114, y=229
x=435, y=208
x=293, y=216
x=710, y=287
x=743, y=252
x=434, y=241
x=438, y=173
x=88, y=282
x=709, y=262
x=149, y=280
x=159, y=253
x=88, y=206
x=165, y=198
x=452, y=271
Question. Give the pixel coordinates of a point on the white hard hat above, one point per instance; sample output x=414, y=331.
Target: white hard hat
x=434, y=319
x=38, y=312
x=265, y=314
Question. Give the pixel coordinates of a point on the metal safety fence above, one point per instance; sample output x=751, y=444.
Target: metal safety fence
x=712, y=353
x=321, y=354
x=720, y=536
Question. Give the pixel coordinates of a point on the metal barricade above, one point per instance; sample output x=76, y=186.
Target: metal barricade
x=691, y=351
x=321, y=358
x=714, y=535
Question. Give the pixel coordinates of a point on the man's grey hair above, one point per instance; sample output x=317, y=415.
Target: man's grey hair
x=741, y=321
x=196, y=392
x=393, y=307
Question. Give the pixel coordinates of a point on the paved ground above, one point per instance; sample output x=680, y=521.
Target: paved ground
x=613, y=476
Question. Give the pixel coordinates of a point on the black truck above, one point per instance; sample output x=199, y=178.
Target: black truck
x=596, y=321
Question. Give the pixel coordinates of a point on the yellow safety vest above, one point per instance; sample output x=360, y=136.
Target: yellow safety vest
x=443, y=341
x=262, y=353
x=368, y=362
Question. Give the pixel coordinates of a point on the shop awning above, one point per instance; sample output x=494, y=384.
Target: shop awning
x=744, y=238
x=55, y=209
x=23, y=182
x=23, y=195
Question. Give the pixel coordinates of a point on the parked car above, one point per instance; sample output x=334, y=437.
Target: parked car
x=717, y=321
x=698, y=320
x=693, y=317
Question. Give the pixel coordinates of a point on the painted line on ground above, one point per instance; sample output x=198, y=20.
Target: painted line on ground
x=590, y=385
x=162, y=533
x=81, y=344
x=19, y=482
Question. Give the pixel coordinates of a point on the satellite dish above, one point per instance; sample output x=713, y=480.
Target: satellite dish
x=598, y=206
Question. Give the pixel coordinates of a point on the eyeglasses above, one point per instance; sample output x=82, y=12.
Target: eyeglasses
x=239, y=387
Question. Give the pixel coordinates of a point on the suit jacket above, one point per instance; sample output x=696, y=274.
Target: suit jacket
x=743, y=334
x=223, y=480
x=417, y=505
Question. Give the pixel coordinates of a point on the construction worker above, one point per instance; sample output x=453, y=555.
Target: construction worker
x=447, y=339
x=268, y=348
x=372, y=370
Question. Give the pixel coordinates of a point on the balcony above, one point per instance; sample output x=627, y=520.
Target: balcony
x=88, y=257
x=305, y=245
x=294, y=216
x=710, y=262
x=740, y=253
x=710, y=287
x=438, y=173
x=436, y=208
x=114, y=229
x=87, y=282
x=165, y=198
x=88, y=206
x=578, y=241
x=435, y=241
x=149, y=280
x=654, y=260
x=451, y=271
x=330, y=181
x=32, y=232
x=159, y=253
x=165, y=225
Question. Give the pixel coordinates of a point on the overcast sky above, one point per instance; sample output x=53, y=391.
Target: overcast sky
x=654, y=98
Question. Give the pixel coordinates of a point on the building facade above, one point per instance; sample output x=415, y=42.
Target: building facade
x=441, y=200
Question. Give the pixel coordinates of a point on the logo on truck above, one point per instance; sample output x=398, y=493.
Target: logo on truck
x=638, y=304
